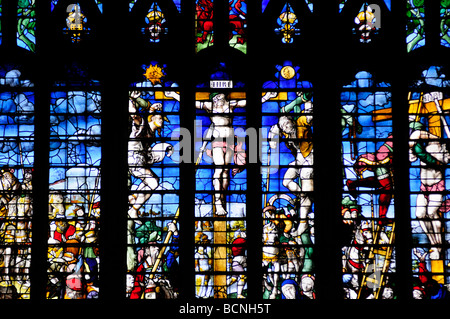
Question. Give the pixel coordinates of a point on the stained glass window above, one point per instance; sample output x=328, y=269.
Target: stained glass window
x=220, y=188
x=445, y=23
x=204, y=24
x=26, y=24
x=98, y=200
x=155, y=23
x=367, y=209
x=17, y=100
x=287, y=24
x=288, y=186
x=131, y=4
x=76, y=23
x=264, y=4
x=99, y=4
x=153, y=18
x=366, y=22
x=76, y=20
x=415, y=25
x=428, y=154
x=1, y=30
x=310, y=4
x=342, y=4
x=238, y=25
x=74, y=192
x=176, y=2
x=154, y=181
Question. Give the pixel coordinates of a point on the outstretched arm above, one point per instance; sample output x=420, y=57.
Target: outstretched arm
x=173, y=94
x=268, y=96
x=238, y=103
x=203, y=105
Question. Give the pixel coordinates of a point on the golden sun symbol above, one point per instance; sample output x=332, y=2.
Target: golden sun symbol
x=154, y=73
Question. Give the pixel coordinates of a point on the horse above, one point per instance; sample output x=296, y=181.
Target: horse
x=271, y=255
x=353, y=258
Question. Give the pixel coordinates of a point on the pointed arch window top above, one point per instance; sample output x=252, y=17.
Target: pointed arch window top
x=220, y=78
x=342, y=4
x=177, y=4
x=77, y=75
x=11, y=76
x=434, y=77
x=309, y=3
x=264, y=4
x=155, y=76
x=99, y=4
x=287, y=77
x=364, y=79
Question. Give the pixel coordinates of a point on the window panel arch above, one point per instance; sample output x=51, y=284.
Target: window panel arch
x=75, y=22
x=220, y=187
x=154, y=182
x=288, y=186
x=74, y=202
x=219, y=252
x=367, y=208
x=17, y=161
x=428, y=138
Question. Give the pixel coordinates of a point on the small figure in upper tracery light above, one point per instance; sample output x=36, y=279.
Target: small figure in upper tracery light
x=76, y=23
x=154, y=23
x=366, y=23
x=288, y=24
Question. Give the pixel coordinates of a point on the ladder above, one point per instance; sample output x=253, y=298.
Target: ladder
x=386, y=254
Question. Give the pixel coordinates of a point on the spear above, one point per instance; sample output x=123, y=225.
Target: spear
x=163, y=248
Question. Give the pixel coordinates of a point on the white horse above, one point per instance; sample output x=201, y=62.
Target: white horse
x=295, y=252
x=353, y=259
x=287, y=259
x=271, y=255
